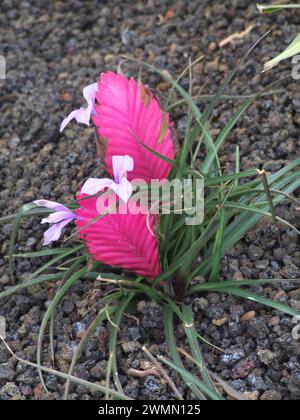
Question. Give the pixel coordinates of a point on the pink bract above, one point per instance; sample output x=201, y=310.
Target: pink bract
x=120, y=240
x=127, y=111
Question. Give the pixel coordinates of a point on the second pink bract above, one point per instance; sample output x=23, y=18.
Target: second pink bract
x=120, y=240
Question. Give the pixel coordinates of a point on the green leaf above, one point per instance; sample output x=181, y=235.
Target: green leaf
x=51, y=309
x=172, y=348
x=232, y=177
x=60, y=256
x=14, y=233
x=191, y=334
x=158, y=155
x=29, y=283
x=192, y=379
x=100, y=317
x=43, y=253
x=112, y=344
x=290, y=51
x=235, y=291
x=37, y=211
x=220, y=286
x=272, y=8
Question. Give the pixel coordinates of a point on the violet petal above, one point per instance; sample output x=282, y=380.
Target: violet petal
x=53, y=233
x=94, y=185
x=53, y=205
x=58, y=216
x=83, y=115
x=121, y=164
x=123, y=189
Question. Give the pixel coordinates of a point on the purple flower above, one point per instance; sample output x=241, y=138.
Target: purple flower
x=83, y=115
x=59, y=219
x=121, y=186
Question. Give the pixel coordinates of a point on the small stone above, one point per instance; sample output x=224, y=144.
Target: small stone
x=154, y=385
x=275, y=119
x=262, y=264
x=36, y=125
x=141, y=306
x=108, y=58
x=132, y=389
x=274, y=322
x=6, y=230
x=279, y=254
x=258, y=328
x=200, y=304
x=232, y=356
x=295, y=304
x=51, y=383
x=251, y=395
x=235, y=329
x=255, y=253
x=213, y=46
x=14, y=141
x=134, y=333
x=249, y=316
x=239, y=385
x=30, y=242
x=46, y=188
x=243, y=368
x=26, y=390
x=295, y=294
x=10, y=391
x=219, y=322
x=68, y=306
x=265, y=356
x=152, y=315
x=4, y=279
x=296, y=332
x=25, y=377
x=131, y=346
x=127, y=37
x=215, y=311
x=271, y=395
x=6, y=372
x=23, y=330
x=78, y=330
x=238, y=275
x=256, y=381
x=99, y=370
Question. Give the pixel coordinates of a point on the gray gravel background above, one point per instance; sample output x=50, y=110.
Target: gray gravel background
x=53, y=49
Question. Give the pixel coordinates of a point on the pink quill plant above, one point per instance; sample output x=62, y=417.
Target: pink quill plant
x=127, y=117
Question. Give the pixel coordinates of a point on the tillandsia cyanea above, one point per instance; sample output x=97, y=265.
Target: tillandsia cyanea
x=128, y=120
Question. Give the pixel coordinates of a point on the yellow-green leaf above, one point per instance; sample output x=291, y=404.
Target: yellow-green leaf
x=290, y=51
x=272, y=8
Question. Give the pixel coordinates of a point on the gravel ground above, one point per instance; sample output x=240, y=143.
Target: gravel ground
x=55, y=48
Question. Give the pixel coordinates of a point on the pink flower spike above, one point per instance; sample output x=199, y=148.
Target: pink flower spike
x=59, y=219
x=121, y=186
x=83, y=115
